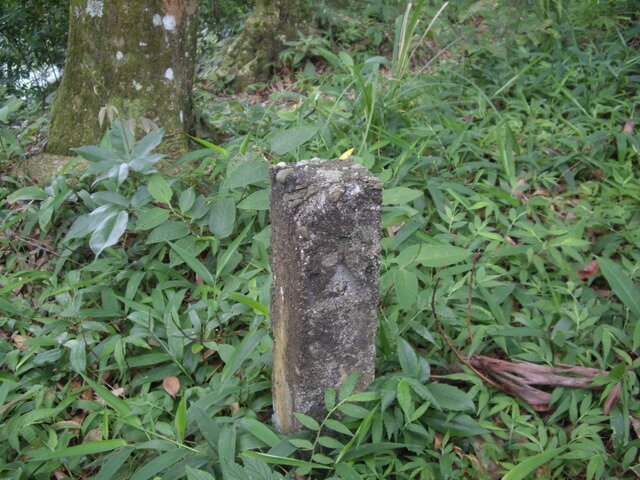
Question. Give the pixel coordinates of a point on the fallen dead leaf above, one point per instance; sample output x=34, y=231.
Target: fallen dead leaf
x=629, y=126
x=438, y=441
x=94, y=435
x=171, y=385
x=612, y=399
x=524, y=379
x=20, y=342
x=393, y=229
x=589, y=271
x=118, y=392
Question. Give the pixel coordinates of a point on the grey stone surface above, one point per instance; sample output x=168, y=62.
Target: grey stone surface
x=325, y=240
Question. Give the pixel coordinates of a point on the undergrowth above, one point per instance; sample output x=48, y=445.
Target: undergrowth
x=134, y=322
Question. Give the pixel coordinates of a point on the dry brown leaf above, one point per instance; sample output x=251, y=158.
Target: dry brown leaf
x=171, y=385
x=393, y=229
x=94, y=435
x=518, y=190
x=629, y=126
x=589, y=271
x=20, y=342
x=118, y=392
x=612, y=399
x=524, y=379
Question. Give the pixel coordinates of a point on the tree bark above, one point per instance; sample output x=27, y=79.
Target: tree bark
x=250, y=57
x=137, y=56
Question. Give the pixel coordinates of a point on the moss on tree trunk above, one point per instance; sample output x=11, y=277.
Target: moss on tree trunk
x=137, y=56
x=250, y=57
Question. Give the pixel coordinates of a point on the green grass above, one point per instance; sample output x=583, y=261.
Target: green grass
x=506, y=145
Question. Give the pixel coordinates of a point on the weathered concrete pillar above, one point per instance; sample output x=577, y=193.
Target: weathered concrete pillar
x=325, y=248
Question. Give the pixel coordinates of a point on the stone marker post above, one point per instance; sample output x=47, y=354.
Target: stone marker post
x=325, y=241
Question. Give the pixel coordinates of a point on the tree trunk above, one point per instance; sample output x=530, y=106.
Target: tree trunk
x=250, y=57
x=137, y=56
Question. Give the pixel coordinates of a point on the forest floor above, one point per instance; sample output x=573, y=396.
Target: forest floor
x=134, y=309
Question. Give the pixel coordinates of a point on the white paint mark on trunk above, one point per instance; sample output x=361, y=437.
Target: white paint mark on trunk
x=169, y=22
x=94, y=8
x=168, y=74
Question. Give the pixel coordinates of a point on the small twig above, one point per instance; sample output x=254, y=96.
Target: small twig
x=449, y=343
x=476, y=257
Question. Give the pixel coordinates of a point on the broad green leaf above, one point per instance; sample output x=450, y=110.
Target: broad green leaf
x=27, y=193
x=406, y=285
x=329, y=398
x=403, y=394
x=157, y=464
x=194, y=264
x=622, y=285
x=211, y=146
x=301, y=443
x=77, y=355
x=336, y=426
x=292, y=462
x=168, y=231
x=94, y=153
x=451, y=398
x=109, y=232
x=227, y=444
x=346, y=471
x=368, y=449
x=408, y=358
x=458, y=425
x=11, y=105
x=523, y=469
x=247, y=172
x=87, y=224
x=105, y=198
x=243, y=351
x=441, y=255
x=290, y=139
x=250, y=302
x=146, y=145
x=222, y=217
x=195, y=474
x=180, y=421
x=348, y=385
x=307, y=421
x=87, y=448
x=112, y=463
x=151, y=217
x=160, y=189
x=260, y=431
x=399, y=195
x=330, y=442
x=256, y=201
x=187, y=199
